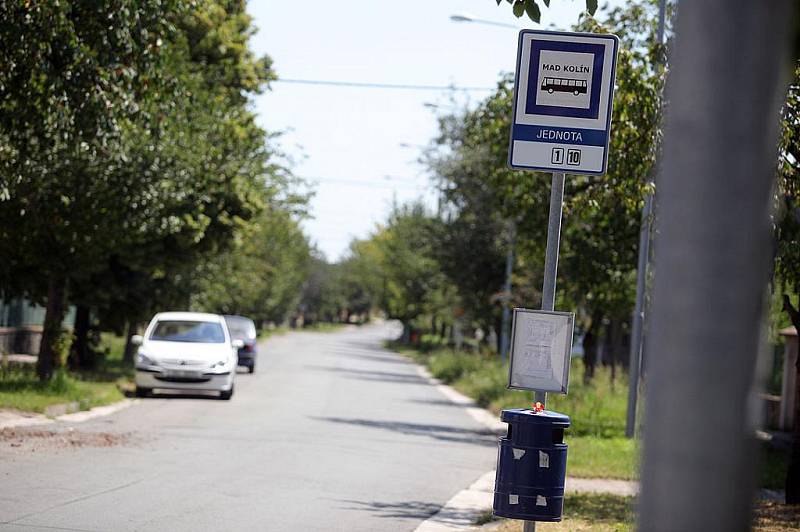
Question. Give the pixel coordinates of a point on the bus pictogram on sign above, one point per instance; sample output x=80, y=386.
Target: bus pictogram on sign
x=575, y=86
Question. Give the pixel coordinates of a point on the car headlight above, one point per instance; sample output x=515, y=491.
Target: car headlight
x=217, y=367
x=144, y=360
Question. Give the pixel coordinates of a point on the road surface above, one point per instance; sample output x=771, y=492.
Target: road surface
x=332, y=432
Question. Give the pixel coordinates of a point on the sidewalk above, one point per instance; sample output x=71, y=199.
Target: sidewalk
x=15, y=418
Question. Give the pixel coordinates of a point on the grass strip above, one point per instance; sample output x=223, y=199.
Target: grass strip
x=596, y=406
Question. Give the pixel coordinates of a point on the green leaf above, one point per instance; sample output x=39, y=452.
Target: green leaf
x=546, y=3
x=533, y=10
x=519, y=8
x=498, y=2
x=591, y=6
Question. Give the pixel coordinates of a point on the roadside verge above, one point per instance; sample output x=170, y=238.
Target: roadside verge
x=464, y=509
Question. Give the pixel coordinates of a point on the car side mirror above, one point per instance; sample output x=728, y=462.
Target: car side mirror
x=137, y=339
x=238, y=344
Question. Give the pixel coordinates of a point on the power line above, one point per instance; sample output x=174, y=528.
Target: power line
x=377, y=183
x=391, y=86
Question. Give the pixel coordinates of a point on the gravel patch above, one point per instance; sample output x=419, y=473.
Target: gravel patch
x=36, y=439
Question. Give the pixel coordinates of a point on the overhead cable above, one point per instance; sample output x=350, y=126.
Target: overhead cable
x=391, y=86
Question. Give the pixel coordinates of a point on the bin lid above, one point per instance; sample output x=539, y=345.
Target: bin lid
x=527, y=415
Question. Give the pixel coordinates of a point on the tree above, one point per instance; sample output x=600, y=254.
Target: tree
x=600, y=230
x=787, y=247
x=482, y=200
x=131, y=156
x=534, y=12
x=262, y=276
x=71, y=75
x=362, y=279
x=322, y=298
x=600, y=247
x=412, y=275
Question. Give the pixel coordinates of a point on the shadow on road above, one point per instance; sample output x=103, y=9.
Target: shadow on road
x=368, y=375
x=373, y=356
x=394, y=510
x=175, y=394
x=436, y=402
x=438, y=432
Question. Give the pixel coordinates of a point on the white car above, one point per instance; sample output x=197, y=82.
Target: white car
x=186, y=351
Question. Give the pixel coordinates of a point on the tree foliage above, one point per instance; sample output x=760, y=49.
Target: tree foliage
x=787, y=247
x=72, y=76
x=787, y=218
x=130, y=159
x=262, y=276
x=534, y=12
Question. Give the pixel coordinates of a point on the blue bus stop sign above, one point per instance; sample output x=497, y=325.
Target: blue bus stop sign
x=563, y=94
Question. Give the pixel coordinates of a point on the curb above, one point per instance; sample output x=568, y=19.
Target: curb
x=13, y=419
x=98, y=411
x=481, y=415
x=463, y=509
x=461, y=512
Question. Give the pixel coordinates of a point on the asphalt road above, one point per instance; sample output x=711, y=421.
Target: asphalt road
x=332, y=432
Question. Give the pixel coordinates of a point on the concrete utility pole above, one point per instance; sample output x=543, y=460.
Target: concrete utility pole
x=505, y=332
x=712, y=253
x=637, y=323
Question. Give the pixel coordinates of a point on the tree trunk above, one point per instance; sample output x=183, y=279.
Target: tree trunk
x=130, y=349
x=50, y=349
x=80, y=355
x=624, y=347
x=590, y=349
x=616, y=348
x=406, y=333
x=608, y=347
x=793, y=472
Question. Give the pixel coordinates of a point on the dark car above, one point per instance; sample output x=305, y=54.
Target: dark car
x=244, y=329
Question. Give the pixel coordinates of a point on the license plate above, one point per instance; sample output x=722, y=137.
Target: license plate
x=183, y=373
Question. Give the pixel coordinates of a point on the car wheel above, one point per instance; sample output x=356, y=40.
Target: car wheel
x=251, y=369
x=226, y=396
x=143, y=392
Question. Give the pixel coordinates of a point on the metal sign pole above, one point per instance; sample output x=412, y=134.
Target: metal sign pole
x=550, y=271
x=551, y=254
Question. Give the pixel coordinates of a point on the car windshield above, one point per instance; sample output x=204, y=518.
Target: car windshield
x=241, y=328
x=188, y=331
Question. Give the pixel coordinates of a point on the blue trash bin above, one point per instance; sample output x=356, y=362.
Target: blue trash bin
x=531, y=466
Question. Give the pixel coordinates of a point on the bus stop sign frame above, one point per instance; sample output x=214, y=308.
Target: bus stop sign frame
x=563, y=96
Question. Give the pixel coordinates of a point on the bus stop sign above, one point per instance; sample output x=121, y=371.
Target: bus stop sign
x=563, y=93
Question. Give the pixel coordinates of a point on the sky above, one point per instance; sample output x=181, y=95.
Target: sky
x=358, y=148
